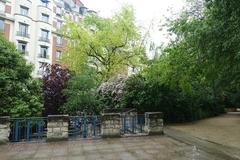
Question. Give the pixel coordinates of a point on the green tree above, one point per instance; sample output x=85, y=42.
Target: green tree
x=20, y=94
x=211, y=42
x=81, y=94
x=109, y=45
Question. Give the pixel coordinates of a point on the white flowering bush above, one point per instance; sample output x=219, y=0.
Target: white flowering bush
x=111, y=92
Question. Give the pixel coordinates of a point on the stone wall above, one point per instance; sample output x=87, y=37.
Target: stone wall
x=110, y=126
x=57, y=127
x=4, y=129
x=154, y=123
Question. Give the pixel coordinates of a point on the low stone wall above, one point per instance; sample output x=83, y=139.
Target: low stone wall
x=154, y=123
x=110, y=126
x=4, y=129
x=57, y=127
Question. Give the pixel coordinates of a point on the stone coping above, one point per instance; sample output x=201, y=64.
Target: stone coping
x=154, y=114
x=110, y=114
x=4, y=120
x=58, y=117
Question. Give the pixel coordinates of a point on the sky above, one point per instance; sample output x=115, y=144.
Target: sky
x=147, y=12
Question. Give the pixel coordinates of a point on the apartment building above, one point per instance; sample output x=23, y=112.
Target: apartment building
x=33, y=25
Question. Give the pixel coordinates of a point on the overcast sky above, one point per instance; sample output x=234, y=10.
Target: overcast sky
x=147, y=12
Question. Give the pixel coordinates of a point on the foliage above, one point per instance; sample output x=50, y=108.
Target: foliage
x=109, y=45
x=81, y=94
x=111, y=92
x=148, y=95
x=197, y=73
x=211, y=43
x=54, y=81
x=20, y=94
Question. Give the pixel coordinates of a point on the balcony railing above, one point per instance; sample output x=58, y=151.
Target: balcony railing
x=23, y=34
x=43, y=56
x=44, y=39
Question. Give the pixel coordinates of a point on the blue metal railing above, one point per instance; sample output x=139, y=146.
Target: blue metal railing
x=132, y=123
x=35, y=128
x=84, y=126
x=26, y=129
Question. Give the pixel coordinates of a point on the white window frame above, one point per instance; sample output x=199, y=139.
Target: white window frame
x=45, y=17
x=24, y=10
x=2, y=7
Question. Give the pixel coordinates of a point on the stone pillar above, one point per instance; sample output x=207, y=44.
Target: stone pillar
x=154, y=123
x=57, y=127
x=110, y=126
x=4, y=129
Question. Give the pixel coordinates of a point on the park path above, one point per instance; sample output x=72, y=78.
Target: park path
x=219, y=136
x=219, y=151
x=223, y=129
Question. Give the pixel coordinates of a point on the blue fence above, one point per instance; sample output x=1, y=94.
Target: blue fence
x=35, y=128
x=84, y=126
x=132, y=123
x=26, y=129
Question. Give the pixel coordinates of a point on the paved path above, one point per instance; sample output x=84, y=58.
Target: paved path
x=217, y=150
x=224, y=129
x=195, y=141
x=133, y=148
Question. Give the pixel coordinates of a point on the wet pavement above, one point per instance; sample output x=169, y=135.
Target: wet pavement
x=224, y=129
x=132, y=148
x=211, y=139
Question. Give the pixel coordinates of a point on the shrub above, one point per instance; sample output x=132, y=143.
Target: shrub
x=20, y=94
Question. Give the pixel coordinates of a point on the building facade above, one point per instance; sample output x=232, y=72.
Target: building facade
x=33, y=25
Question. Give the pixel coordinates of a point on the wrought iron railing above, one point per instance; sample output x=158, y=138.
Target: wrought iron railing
x=26, y=129
x=44, y=39
x=84, y=126
x=43, y=56
x=132, y=123
x=23, y=34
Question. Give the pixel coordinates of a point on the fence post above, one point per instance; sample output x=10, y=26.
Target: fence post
x=57, y=127
x=110, y=125
x=154, y=123
x=4, y=129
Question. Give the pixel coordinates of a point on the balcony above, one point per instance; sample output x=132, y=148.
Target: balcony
x=23, y=34
x=43, y=56
x=44, y=39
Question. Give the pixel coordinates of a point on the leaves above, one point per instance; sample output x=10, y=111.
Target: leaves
x=20, y=94
x=109, y=45
x=54, y=81
x=81, y=94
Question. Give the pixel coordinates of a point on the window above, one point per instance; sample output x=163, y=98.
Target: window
x=59, y=40
x=44, y=35
x=59, y=24
x=43, y=52
x=1, y=25
x=45, y=3
x=24, y=10
x=45, y=17
x=22, y=46
x=58, y=11
x=41, y=69
x=23, y=29
x=2, y=7
x=58, y=55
